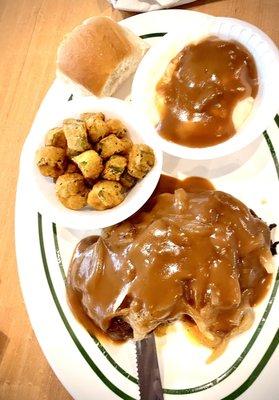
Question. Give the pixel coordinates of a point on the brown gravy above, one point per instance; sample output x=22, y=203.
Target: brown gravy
x=166, y=184
x=200, y=90
x=75, y=297
x=169, y=184
x=194, y=255
x=192, y=184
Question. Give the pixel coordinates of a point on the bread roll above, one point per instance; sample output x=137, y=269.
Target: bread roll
x=98, y=56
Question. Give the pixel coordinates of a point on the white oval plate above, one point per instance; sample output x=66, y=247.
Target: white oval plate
x=90, y=369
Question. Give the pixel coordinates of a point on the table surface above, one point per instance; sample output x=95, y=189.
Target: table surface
x=30, y=31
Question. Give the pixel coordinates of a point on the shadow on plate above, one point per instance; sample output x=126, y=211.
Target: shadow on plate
x=210, y=168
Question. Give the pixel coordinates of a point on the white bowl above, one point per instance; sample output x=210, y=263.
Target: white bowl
x=265, y=106
x=140, y=131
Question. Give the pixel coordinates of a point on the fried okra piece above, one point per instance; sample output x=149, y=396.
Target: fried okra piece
x=113, y=145
x=51, y=161
x=56, y=137
x=90, y=164
x=71, y=168
x=140, y=161
x=96, y=126
x=127, y=180
x=89, y=118
x=72, y=191
x=105, y=194
x=114, y=168
x=76, y=136
x=116, y=127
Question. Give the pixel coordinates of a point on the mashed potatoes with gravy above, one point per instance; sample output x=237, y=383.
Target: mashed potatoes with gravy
x=154, y=102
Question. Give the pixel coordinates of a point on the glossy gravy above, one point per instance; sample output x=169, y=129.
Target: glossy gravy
x=192, y=184
x=195, y=255
x=200, y=90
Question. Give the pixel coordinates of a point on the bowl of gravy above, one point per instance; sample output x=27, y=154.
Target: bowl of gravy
x=208, y=90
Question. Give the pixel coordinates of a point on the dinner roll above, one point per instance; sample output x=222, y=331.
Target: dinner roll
x=98, y=56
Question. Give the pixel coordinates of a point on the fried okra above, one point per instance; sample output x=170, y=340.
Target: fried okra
x=90, y=163
x=141, y=160
x=116, y=127
x=127, y=180
x=114, y=168
x=105, y=194
x=56, y=137
x=92, y=152
x=96, y=126
x=113, y=145
x=76, y=136
x=72, y=191
x=71, y=168
x=51, y=161
x=89, y=118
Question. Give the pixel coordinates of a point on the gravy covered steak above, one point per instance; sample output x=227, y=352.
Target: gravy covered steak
x=201, y=255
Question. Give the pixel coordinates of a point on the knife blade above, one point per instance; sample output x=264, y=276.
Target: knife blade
x=150, y=385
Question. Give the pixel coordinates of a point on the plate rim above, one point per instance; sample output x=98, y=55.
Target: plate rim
x=139, y=16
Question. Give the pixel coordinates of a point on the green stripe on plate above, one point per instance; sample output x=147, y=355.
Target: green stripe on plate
x=272, y=150
x=200, y=387
x=96, y=340
x=81, y=349
x=58, y=255
x=94, y=367
x=87, y=358
x=277, y=120
x=267, y=355
x=235, y=365
x=151, y=35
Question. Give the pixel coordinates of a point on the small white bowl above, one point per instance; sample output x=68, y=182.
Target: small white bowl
x=265, y=106
x=140, y=131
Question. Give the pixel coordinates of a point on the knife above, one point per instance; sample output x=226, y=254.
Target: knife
x=150, y=385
